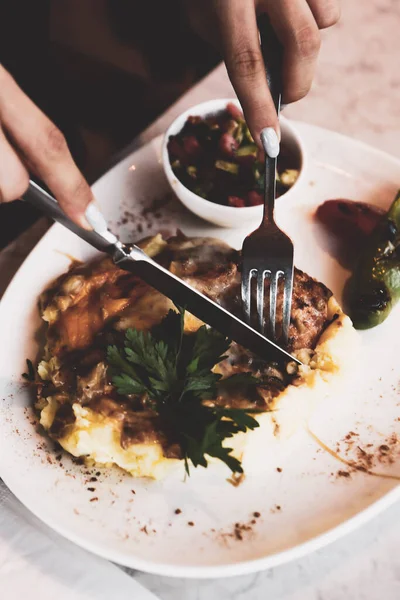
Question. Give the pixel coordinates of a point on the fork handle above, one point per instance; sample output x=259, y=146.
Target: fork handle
x=272, y=53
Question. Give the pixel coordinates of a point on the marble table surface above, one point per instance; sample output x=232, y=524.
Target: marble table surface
x=356, y=92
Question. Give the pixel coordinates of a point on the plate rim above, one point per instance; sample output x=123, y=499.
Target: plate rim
x=244, y=567
x=157, y=140
x=241, y=567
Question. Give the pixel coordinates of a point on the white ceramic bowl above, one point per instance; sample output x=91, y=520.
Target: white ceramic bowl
x=227, y=216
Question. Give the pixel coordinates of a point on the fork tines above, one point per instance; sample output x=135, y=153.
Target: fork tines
x=275, y=328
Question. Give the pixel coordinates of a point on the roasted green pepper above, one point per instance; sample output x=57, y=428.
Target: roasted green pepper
x=374, y=287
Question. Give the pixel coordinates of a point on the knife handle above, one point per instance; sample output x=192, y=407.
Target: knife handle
x=103, y=240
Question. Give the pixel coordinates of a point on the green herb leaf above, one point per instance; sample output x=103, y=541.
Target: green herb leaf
x=202, y=383
x=154, y=358
x=240, y=379
x=118, y=363
x=126, y=385
x=171, y=329
x=239, y=417
x=175, y=372
x=209, y=347
x=31, y=374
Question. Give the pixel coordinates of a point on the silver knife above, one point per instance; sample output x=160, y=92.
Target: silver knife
x=131, y=258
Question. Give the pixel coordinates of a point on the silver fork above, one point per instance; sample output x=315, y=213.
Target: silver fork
x=267, y=254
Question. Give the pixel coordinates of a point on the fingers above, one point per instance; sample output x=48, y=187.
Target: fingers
x=44, y=147
x=298, y=31
x=245, y=66
x=14, y=177
x=326, y=12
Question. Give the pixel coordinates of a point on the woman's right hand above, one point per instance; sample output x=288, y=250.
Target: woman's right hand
x=30, y=142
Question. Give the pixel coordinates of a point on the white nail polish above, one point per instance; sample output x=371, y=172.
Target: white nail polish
x=97, y=221
x=270, y=142
x=95, y=218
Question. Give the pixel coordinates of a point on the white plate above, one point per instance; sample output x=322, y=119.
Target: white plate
x=141, y=529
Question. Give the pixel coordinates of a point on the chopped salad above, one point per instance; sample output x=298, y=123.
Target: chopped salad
x=216, y=158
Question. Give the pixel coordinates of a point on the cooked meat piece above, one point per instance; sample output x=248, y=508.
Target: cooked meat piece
x=214, y=269
x=200, y=256
x=88, y=299
x=309, y=308
x=309, y=311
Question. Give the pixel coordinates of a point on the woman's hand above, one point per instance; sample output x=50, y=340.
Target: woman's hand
x=231, y=25
x=30, y=141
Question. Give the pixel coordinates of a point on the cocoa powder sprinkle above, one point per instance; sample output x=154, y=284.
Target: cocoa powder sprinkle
x=343, y=474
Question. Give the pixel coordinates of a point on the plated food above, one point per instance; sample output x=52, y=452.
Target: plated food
x=220, y=212
x=129, y=379
x=372, y=237
x=304, y=495
x=216, y=158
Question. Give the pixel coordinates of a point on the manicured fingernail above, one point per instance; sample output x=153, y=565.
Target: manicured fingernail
x=95, y=219
x=82, y=222
x=270, y=142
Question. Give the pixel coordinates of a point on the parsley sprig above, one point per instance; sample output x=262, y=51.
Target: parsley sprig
x=31, y=374
x=174, y=372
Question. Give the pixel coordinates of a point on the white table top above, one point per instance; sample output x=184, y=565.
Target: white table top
x=365, y=565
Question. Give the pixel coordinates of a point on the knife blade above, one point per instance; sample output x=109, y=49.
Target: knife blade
x=132, y=258
x=183, y=294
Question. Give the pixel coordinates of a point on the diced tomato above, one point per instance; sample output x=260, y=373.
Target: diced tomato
x=234, y=111
x=254, y=198
x=236, y=201
x=227, y=145
x=191, y=146
x=194, y=120
x=175, y=150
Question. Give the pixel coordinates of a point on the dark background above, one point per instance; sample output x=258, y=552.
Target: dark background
x=102, y=70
